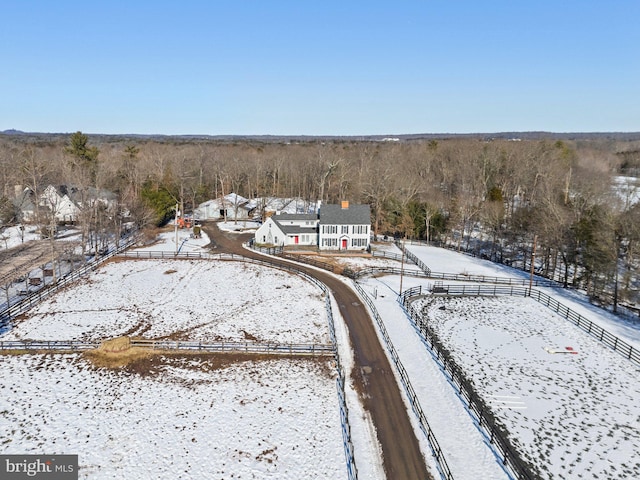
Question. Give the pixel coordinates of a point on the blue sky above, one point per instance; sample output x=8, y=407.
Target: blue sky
x=326, y=67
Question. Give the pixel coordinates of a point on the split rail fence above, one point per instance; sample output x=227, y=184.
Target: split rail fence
x=291, y=349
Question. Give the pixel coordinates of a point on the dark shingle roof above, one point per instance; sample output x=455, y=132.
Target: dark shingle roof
x=336, y=215
x=293, y=229
x=295, y=216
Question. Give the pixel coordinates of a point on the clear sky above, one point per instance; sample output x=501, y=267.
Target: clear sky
x=310, y=67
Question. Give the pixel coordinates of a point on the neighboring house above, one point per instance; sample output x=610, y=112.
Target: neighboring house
x=65, y=203
x=57, y=200
x=344, y=227
x=231, y=207
x=335, y=227
x=23, y=202
x=91, y=195
x=289, y=229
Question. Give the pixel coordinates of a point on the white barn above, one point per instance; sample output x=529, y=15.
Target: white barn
x=231, y=207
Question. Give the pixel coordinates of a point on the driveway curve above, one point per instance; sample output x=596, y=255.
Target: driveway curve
x=373, y=374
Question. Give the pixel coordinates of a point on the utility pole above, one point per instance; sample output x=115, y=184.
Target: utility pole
x=533, y=261
x=401, y=267
x=176, y=225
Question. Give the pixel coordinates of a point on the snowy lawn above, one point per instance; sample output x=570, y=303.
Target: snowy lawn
x=184, y=418
x=196, y=300
x=572, y=415
x=11, y=237
x=443, y=260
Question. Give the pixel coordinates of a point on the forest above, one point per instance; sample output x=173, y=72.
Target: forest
x=570, y=202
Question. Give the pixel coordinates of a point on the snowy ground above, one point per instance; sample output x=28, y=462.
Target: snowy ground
x=571, y=418
x=572, y=415
x=186, y=418
x=12, y=236
x=196, y=300
x=575, y=416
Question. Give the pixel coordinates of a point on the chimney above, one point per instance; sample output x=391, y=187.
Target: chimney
x=345, y=204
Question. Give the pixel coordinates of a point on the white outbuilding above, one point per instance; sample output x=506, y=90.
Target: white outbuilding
x=230, y=207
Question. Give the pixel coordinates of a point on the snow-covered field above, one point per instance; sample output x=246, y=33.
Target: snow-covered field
x=573, y=415
x=185, y=419
x=196, y=300
x=11, y=237
x=182, y=416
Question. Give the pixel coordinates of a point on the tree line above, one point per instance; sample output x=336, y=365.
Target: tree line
x=496, y=197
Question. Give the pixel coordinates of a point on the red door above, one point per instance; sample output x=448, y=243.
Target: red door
x=344, y=243
x=295, y=239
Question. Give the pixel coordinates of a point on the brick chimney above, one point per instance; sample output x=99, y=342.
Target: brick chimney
x=345, y=204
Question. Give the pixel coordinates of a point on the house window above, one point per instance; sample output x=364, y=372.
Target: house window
x=345, y=228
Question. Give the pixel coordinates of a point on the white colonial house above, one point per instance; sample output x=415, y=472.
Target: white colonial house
x=344, y=227
x=231, y=207
x=335, y=227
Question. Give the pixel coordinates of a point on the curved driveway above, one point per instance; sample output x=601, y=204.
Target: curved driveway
x=372, y=375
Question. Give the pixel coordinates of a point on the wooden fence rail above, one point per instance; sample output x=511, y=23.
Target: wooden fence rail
x=236, y=347
x=248, y=347
x=57, y=345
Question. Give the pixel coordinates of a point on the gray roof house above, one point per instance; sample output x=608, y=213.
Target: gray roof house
x=344, y=227
x=335, y=227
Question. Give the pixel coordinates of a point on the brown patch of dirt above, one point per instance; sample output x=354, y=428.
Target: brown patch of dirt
x=147, y=362
x=116, y=353
x=248, y=336
x=115, y=345
x=139, y=329
x=113, y=360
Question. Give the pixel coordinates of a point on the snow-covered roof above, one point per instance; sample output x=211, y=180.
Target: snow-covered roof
x=231, y=199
